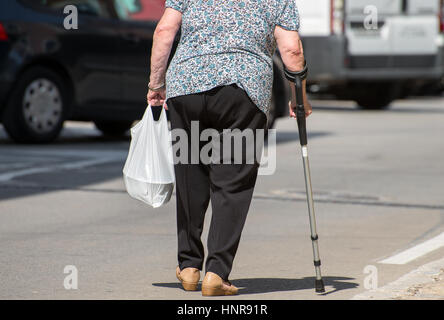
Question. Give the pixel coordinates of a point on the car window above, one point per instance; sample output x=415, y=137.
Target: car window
x=98, y=8
x=140, y=10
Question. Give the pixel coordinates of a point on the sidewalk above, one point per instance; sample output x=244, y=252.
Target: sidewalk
x=424, y=283
x=427, y=291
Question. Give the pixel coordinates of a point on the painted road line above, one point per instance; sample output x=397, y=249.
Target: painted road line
x=416, y=251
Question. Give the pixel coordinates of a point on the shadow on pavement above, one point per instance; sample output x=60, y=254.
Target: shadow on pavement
x=267, y=285
x=79, y=179
x=70, y=136
x=73, y=180
x=285, y=136
x=393, y=109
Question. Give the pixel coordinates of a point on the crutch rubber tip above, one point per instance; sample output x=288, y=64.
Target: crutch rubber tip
x=319, y=286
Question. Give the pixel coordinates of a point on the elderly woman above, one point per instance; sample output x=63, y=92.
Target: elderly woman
x=221, y=77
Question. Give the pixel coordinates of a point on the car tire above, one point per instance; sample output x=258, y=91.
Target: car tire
x=376, y=96
x=37, y=107
x=113, y=128
x=373, y=102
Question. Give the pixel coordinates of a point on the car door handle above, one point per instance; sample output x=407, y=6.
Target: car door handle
x=131, y=37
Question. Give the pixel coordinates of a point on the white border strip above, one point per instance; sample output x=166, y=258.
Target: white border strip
x=416, y=251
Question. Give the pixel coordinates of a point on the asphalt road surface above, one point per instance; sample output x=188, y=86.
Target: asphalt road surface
x=378, y=179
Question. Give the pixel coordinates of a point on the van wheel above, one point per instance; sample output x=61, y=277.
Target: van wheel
x=373, y=103
x=37, y=107
x=376, y=96
x=113, y=128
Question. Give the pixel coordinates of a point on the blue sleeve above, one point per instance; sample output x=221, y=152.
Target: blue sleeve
x=288, y=18
x=179, y=5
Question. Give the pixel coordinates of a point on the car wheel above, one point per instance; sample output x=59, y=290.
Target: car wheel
x=113, y=128
x=37, y=107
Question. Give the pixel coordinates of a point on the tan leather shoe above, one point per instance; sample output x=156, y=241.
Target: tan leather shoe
x=189, y=277
x=213, y=285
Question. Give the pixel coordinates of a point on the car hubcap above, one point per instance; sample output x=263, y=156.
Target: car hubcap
x=42, y=104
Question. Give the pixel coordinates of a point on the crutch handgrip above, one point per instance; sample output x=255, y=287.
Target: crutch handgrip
x=300, y=112
x=297, y=78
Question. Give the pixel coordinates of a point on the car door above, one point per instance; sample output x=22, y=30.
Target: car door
x=135, y=41
x=85, y=41
x=95, y=50
x=138, y=20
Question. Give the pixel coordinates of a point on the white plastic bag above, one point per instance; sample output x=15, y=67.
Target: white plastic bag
x=149, y=170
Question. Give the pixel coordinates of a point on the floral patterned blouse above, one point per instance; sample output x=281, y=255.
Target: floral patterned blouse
x=227, y=42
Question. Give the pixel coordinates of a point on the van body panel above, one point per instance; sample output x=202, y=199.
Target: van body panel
x=326, y=57
x=414, y=35
x=406, y=45
x=315, y=17
x=420, y=7
x=385, y=7
x=403, y=27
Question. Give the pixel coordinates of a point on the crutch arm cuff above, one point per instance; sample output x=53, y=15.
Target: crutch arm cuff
x=292, y=75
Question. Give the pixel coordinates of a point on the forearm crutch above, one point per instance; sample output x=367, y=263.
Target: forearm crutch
x=297, y=78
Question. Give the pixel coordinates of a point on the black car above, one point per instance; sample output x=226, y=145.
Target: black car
x=98, y=72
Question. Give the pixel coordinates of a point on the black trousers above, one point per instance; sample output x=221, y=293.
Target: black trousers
x=229, y=186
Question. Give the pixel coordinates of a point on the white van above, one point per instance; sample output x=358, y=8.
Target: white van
x=373, y=51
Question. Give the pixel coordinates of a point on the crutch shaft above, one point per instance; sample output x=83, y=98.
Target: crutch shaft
x=310, y=203
x=302, y=127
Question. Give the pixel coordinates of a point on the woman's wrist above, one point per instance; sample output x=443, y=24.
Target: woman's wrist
x=156, y=86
